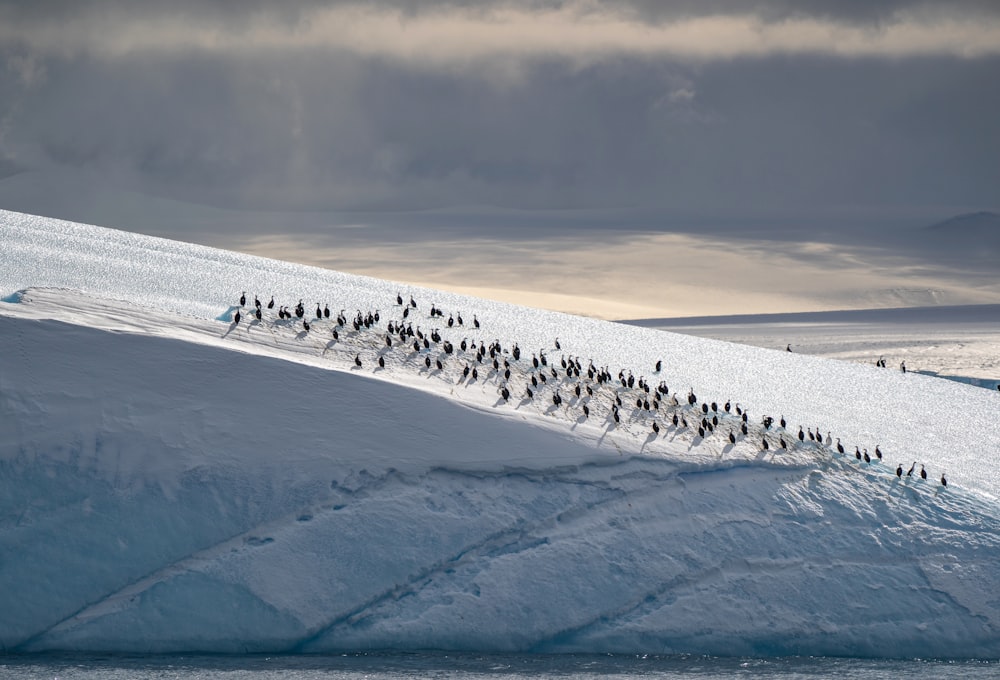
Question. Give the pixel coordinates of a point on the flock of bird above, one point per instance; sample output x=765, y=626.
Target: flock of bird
x=621, y=400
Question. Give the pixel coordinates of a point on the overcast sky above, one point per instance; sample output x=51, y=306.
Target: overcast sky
x=526, y=147
x=717, y=108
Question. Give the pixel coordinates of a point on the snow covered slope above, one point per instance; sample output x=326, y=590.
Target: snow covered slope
x=173, y=481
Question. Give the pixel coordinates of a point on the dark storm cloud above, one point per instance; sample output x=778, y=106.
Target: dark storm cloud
x=686, y=109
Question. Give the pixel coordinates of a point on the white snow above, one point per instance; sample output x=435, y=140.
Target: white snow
x=172, y=481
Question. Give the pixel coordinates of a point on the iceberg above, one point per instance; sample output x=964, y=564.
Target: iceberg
x=173, y=481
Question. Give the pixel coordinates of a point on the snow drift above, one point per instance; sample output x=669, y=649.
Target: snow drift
x=173, y=481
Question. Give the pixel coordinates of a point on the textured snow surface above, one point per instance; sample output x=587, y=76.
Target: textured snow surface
x=174, y=481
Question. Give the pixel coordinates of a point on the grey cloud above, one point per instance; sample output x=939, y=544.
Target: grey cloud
x=663, y=138
x=344, y=132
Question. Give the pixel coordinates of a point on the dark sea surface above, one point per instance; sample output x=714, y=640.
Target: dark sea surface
x=463, y=666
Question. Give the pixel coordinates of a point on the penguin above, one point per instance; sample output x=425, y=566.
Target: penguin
x=427, y=361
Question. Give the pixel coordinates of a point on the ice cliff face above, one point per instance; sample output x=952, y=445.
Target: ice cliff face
x=160, y=495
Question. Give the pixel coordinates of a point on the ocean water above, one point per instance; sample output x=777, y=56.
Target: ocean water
x=385, y=666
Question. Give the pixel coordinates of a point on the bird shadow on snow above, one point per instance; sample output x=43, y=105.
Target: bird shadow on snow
x=650, y=438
